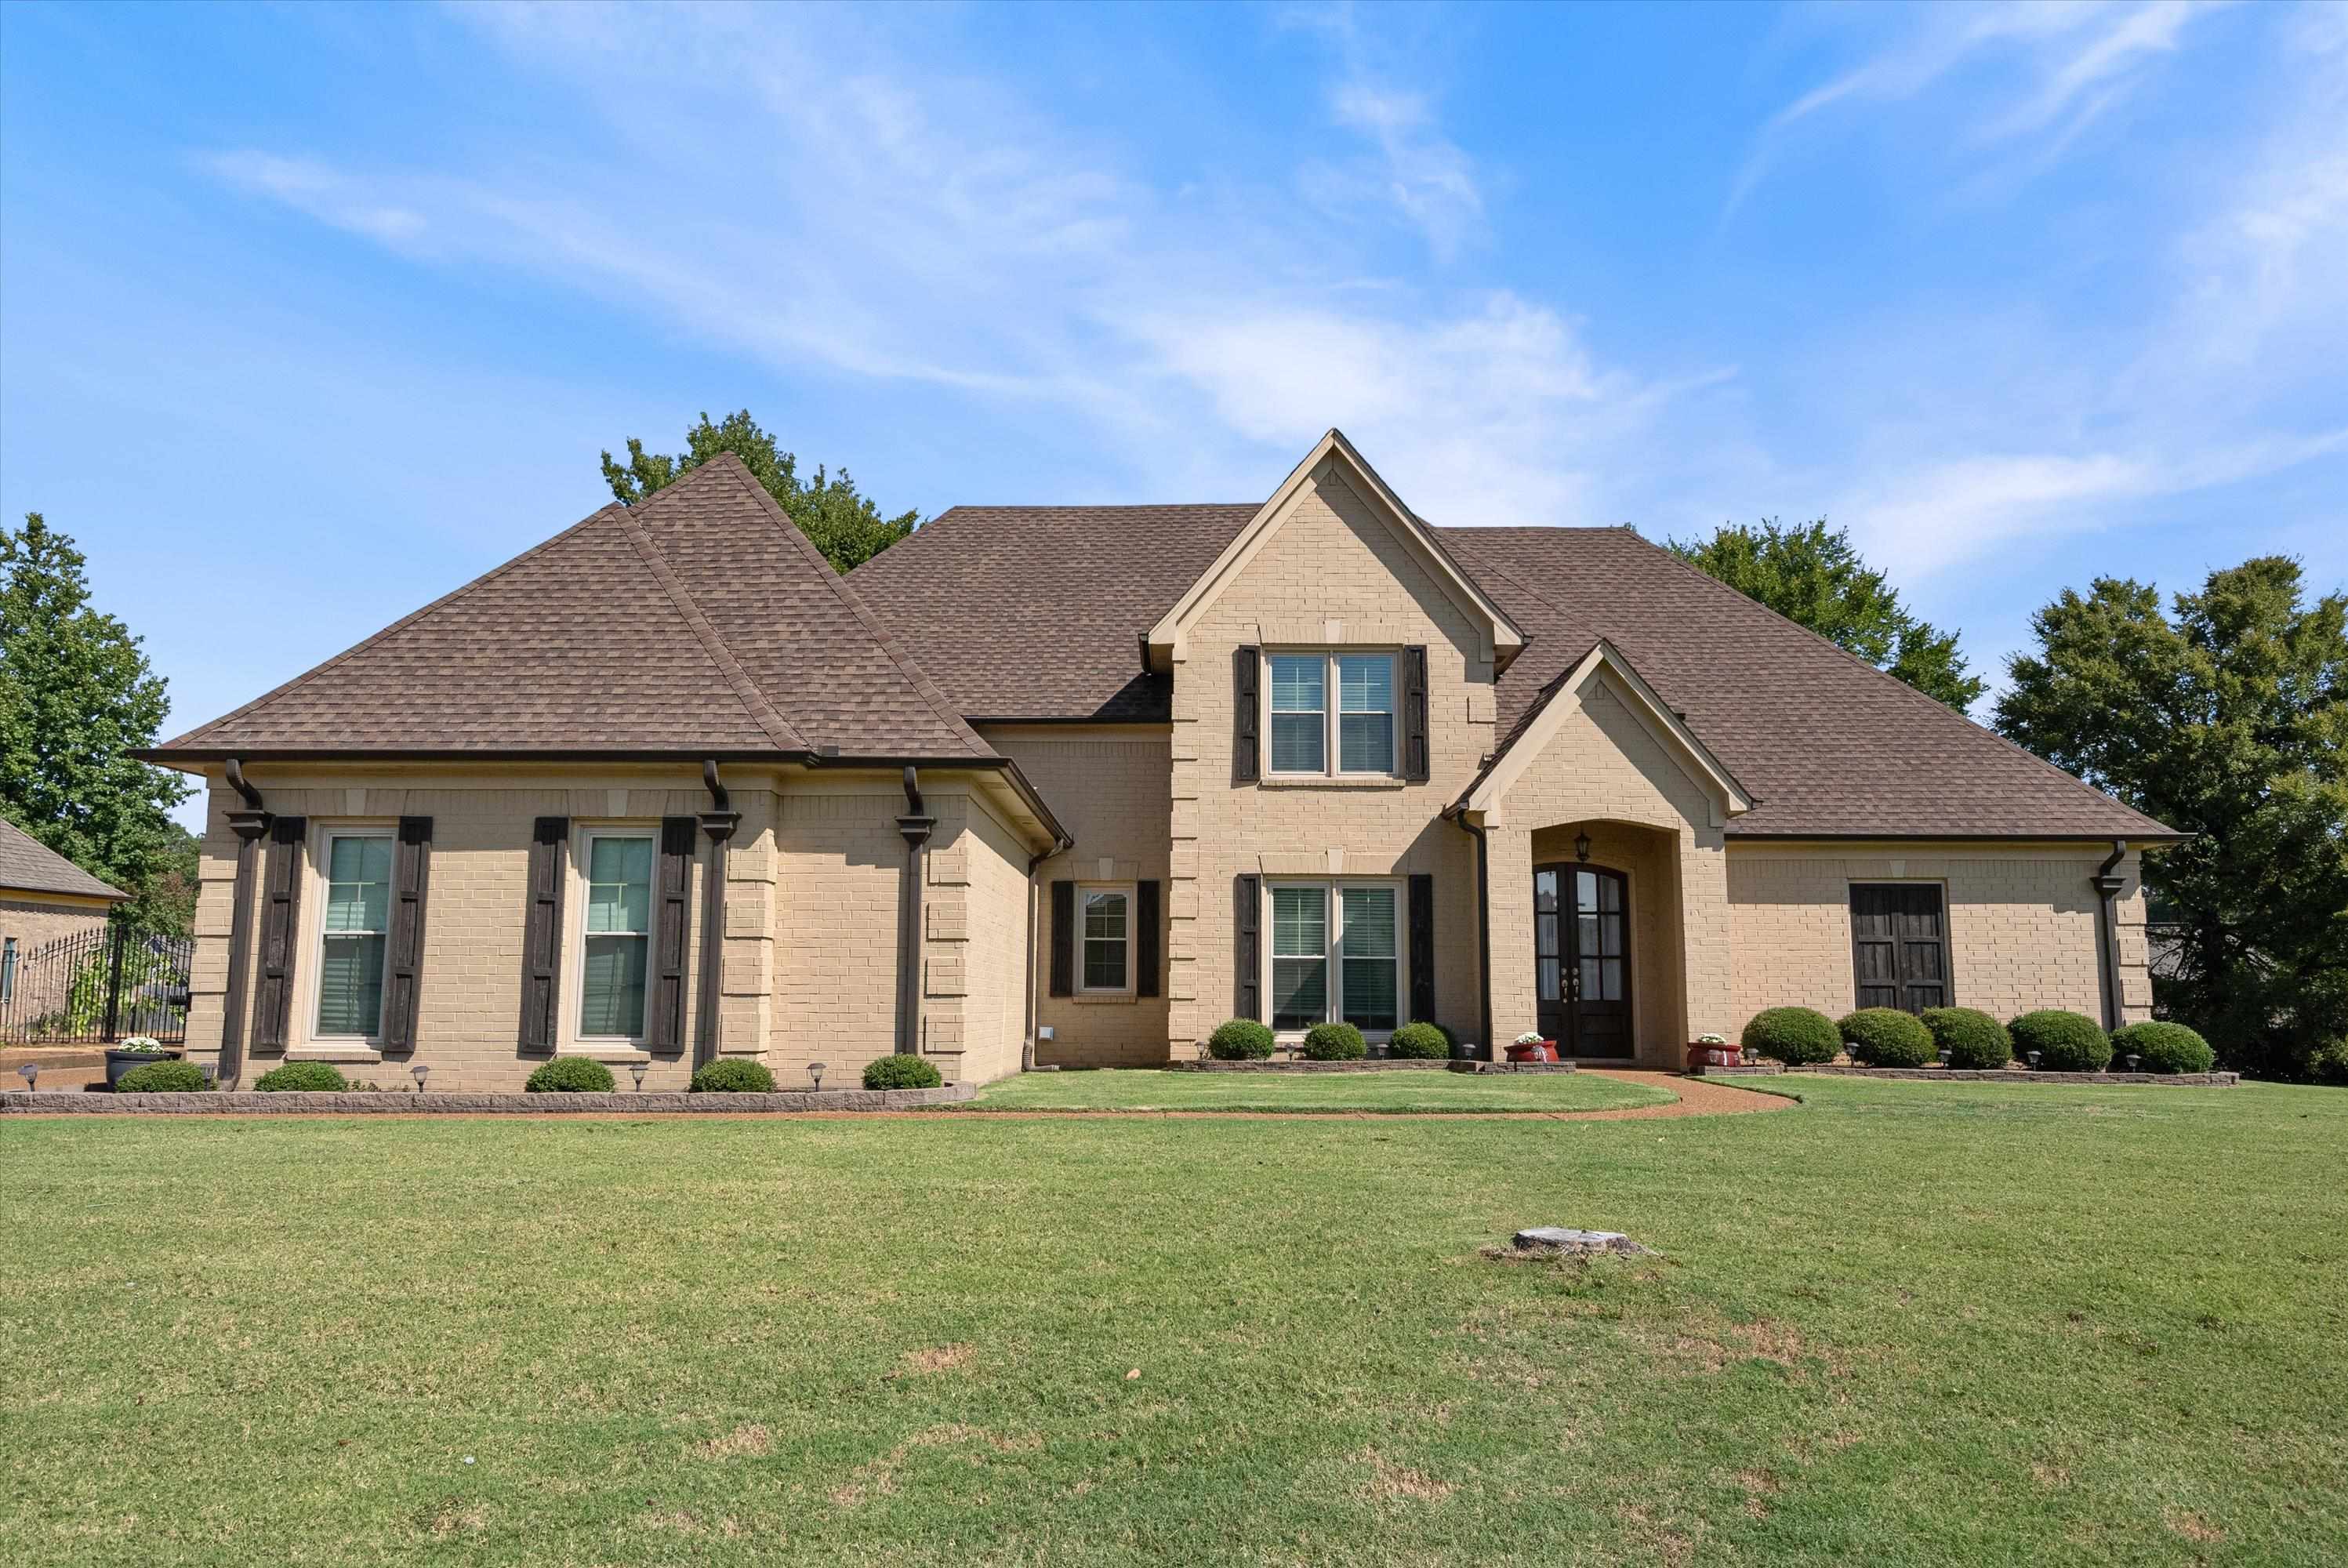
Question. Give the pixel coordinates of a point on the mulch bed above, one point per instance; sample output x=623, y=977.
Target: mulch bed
x=2018, y=1074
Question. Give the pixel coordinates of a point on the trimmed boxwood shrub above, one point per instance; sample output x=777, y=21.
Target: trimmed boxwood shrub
x=2065, y=1042
x=1420, y=1042
x=1793, y=1036
x=317, y=1078
x=571, y=1074
x=2164, y=1047
x=1334, y=1042
x=900, y=1072
x=1240, y=1040
x=733, y=1077
x=164, y=1077
x=1886, y=1037
x=1975, y=1041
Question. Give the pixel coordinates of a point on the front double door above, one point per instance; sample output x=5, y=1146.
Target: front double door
x=1582, y=953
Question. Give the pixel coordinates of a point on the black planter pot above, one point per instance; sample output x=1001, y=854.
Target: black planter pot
x=120, y=1062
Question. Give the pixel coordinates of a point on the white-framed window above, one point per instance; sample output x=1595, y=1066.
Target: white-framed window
x=614, y=938
x=1336, y=954
x=353, y=931
x=1331, y=714
x=1106, y=965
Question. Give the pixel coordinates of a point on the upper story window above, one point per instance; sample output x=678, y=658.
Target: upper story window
x=354, y=930
x=615, y=945
x=1311, y=734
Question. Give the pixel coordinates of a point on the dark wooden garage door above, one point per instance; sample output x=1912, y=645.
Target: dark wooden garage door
x=1899, y=945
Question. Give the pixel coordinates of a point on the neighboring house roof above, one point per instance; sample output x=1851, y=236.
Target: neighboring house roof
x=698, y=622
x=1037, y=613
x=28, y=865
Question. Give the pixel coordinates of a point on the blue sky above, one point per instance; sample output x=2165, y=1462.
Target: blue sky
x=309, y=314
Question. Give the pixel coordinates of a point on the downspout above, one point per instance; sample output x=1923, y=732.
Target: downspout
x=719, y=822
x=915, y=825
x=249, y=825
x=1483, y=931
x=1028, y=1051
x=2107, y=884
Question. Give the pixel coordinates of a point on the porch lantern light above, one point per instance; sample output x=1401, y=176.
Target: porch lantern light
x=420, y=1070
x=1581, y=847
x=32, y=1071
x=815, y=1074
x=637, y=1070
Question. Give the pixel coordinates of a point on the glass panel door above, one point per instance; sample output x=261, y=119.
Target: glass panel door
x=1582, y=958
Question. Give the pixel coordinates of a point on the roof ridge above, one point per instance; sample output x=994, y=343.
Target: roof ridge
x=759, y=706
x=850, y=599
x=287, y=687
x=1908, y=691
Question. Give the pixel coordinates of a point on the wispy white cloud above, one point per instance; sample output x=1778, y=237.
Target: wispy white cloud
x=2062, y=66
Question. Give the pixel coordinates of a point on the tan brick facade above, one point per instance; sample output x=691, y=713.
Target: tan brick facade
x=2022, y=924
x=814, y=874
x=1648, y=814
x=1112, y=788
x=1368, y=589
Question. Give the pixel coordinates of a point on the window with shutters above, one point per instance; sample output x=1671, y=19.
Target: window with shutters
x=613, y=943
x=1899, y=945
x=1337, y=954
x=354, y=931
x=1330, y=714
x=1106, y=965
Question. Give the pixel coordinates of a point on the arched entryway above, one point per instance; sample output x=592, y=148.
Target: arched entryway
x=1581, y=959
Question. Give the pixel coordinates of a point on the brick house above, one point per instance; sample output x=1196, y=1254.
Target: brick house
x=1074, y=784
x=44, y=898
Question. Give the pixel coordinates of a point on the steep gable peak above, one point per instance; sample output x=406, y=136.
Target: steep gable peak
x=1335, y=458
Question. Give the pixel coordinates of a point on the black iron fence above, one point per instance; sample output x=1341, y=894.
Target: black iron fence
x=96, y=986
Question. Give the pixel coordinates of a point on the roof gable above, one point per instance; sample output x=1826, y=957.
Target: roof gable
x=1334, y=454
x=698, y=622
x=1561, y=697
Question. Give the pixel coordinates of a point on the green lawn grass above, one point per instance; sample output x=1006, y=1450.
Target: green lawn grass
x=1899, y=1324
x=1141, y=1088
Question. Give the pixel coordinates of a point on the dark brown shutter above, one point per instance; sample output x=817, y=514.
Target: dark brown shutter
x=1898, y=943
x=672, y=880
x=541, y=941
x=1247, y=666
x=1146, y=946
x=1064, y=938
x=281, y=893
x=1422, y=948
x=1414, y=715
x=411, y=873
x=1247, y=896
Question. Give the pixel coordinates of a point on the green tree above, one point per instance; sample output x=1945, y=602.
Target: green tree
x=1813, y=574
x=76, y=692
x=846, y=526
x=2225, y=717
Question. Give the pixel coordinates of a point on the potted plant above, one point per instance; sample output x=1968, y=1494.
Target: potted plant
x=135, y=1052
x=1713, y=1051
x=1529, y=1046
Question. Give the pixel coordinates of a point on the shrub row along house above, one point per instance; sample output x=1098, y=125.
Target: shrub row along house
x=1075, y=784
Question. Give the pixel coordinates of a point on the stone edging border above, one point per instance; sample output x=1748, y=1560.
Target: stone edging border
x=252, y=1102
x=2009, y=1075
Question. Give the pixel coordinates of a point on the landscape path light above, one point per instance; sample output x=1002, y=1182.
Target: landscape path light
x=1945, y=1055
x=2034, y=1061
x=421, y=1071
x=637, y=1070
x=815, y=1074
x=32, y=1071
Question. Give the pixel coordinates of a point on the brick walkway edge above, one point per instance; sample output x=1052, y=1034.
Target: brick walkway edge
x=392, y=1103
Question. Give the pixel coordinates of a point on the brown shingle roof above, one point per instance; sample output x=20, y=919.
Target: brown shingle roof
x=28, y=865
x=1034, y=612
x=1038, y=611
x=698, y=621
